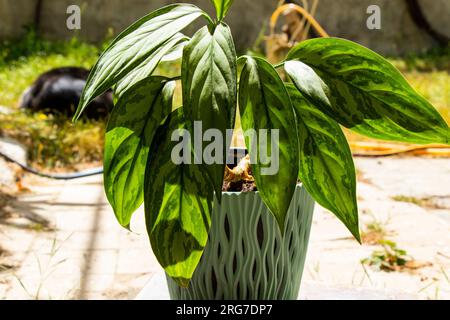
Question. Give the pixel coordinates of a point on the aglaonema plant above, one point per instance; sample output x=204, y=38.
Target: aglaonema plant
x=333, y=82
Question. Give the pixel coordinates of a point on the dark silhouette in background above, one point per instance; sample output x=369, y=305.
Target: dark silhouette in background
x=58, y=91
x=416, y=13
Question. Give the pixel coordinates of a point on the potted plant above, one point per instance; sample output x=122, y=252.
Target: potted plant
x=258, y=240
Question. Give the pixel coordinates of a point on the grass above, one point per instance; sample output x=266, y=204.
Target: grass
x=374, y=232
x=52, y=141
x=391, y=258
x=23, y=60
x=388, y=258
x=413, y=200
x=47, y=265
x=427, y=202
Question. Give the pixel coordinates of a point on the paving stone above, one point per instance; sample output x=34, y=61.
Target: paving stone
x=156, y=289
x=101, y=260
x=100, y=283
x=16, y=151
x=136, y=261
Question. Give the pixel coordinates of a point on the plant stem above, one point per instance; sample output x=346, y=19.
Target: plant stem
x=279, y=65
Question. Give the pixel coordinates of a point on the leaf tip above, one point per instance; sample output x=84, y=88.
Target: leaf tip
x=281, y=224
x=75, y=118
x=356, y=234
x=77, y=114
x=182, y=282
x=218, y=196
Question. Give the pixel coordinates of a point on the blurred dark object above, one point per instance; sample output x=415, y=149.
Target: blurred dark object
x=37, y=14
x=58, y=91
x=415, y=10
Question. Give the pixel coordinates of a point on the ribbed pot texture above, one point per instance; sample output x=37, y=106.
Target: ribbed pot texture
x=246, y=257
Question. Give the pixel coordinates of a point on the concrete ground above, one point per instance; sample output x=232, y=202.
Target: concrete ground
x=421, y=228
x=61, y=240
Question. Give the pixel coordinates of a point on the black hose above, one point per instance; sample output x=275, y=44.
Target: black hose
x=64, y=176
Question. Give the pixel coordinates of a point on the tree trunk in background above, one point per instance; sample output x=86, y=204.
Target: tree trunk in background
x=37, y=15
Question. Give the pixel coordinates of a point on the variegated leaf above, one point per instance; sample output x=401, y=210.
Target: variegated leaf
x=148, y=66
x=326, y=164
x=209, y=80
x=134, y=45
x=178, y=203
x=176, y=52
x=131, y=128
x=365, y=92
x=264, y=104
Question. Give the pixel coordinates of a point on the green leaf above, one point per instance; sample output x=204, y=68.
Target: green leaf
x=264, y=104
x=133, y=46
x=148, y=66
x=366, y=93
x=178, y=203
x=308, y=82
x=222, y=7
x=132, y=125
x=209, y=80
x=326, y=163
x=176, y=52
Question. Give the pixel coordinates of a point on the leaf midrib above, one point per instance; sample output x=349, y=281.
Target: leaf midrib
x=263, y=94
x=322, y=159
x=140, y=143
